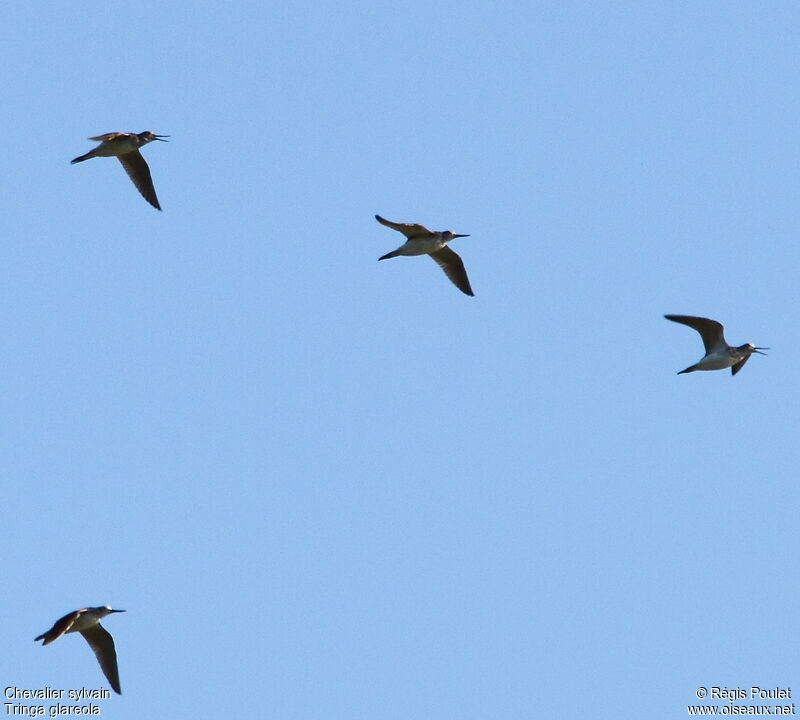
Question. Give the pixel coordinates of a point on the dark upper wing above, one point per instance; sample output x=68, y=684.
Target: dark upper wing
x=710, y=330
x=739, y=365
x=108, y=136
x=408, y=229
x=102, y=643
x=453, y=267
x=137, y=170
x=59, y=628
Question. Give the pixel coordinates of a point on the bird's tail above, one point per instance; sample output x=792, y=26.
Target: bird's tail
x=392, y=254
x=82, y=157
x=689, y=369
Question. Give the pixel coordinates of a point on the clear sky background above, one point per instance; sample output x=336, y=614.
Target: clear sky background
x=327, y=487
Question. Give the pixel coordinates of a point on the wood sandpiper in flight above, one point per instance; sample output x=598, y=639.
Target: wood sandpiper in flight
x=87, y=623
x=125, y=147
x=422, y=241
x=719, y=355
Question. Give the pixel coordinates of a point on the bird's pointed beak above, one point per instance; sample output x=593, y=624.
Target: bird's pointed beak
x=161, y=137
x=113, y=611
x=460, y=235
x=759, y=349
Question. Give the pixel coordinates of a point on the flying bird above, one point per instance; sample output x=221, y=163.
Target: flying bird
x=125, y=147
x=719, y=355
x=87, y=623
x=421, y=241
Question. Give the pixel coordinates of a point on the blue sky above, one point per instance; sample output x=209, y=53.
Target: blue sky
x=323, y=486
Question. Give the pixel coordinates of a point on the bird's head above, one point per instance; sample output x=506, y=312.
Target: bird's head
x=148, y=136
